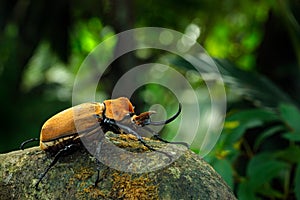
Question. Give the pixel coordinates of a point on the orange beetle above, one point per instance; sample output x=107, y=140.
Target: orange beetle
x=62, y=133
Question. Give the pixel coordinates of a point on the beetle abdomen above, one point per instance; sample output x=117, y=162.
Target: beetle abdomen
x=66, y=126
x=54, y=146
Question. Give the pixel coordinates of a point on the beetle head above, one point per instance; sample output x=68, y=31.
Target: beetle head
x=121, y=109
x=143, y=118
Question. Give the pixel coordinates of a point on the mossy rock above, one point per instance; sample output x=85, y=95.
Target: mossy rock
x=73, y=177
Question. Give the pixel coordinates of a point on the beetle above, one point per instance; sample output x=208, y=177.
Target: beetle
x=62, y=133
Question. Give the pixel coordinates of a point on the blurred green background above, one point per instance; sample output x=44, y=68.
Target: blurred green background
x=256, y=45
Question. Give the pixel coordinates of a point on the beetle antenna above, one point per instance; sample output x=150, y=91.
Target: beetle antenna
x=27, y=141
x=168, y=120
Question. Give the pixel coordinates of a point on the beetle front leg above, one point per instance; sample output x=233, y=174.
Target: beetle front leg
x=140, y=139
x=61, y=152
x=157, y=136
x=130, y=130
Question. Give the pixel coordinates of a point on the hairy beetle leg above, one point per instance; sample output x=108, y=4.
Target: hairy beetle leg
x=67, y=150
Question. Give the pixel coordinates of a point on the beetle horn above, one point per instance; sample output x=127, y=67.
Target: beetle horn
x=168, y=120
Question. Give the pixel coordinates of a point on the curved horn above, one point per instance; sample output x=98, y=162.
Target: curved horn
x=168, y=120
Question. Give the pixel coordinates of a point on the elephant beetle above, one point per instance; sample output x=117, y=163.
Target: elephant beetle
x=62, y=133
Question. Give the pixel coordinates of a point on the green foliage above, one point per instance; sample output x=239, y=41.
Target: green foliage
x=235, y=36
x=290, y=115
x=44, y=44
x=268, y=170
x=252, y=86
x=261, y=143
x=297, y=181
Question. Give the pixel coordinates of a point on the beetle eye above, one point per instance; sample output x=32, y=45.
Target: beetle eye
x=146, y=122
x=142, y=119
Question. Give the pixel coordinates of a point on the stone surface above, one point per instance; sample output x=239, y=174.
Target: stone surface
x=73, y=177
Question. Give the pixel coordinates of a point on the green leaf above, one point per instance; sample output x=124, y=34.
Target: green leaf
x=246, y=192
x=261, y=170
x=268, y=133
x=292, y=136
x=291, y=154
x=263, y=167
x=223, y=167
x=262, y=115
x=291, y=115
x=271, y=193
x=297, y=182
x=248, y=119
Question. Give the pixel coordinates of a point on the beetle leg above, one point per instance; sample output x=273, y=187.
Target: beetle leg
x=104, y=174
x=98, y=149
x=61, y=152
x=98, y=171
x=98, y=179
x=140, y=139
x=27, y=141
x=157, y=136
x=129, y=130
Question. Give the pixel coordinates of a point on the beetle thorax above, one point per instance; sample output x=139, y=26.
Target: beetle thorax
x=118, y=109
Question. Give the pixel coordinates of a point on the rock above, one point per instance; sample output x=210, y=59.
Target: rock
x=184, y=176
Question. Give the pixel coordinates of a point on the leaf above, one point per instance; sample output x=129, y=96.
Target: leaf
x=246, y=192
x=297, y=182
x=248, y=119
x=292, y=136
x=263, y=167
x=291, y=115
x=291, y=154
x=271, y=193
x=238, y=132
x=262, y=115
x=268, y=133
x=223, y=167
